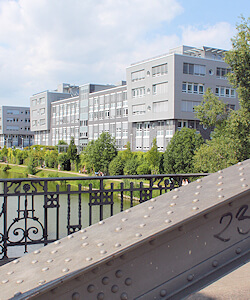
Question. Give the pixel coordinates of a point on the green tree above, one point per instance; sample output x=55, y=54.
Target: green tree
x=64, y=161
x=212, y=111
x=62, y=146
x=238, y=58
x=153, y=157
x=116, y=166
x=98, y=154
x=31, y=167
x=178, y=157
x=72, y=151
x=131, y=166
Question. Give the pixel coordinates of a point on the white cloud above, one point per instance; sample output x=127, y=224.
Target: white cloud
x=218, y=35
x=44, y=42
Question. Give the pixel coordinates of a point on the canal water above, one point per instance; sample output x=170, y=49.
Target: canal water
x=35, y=232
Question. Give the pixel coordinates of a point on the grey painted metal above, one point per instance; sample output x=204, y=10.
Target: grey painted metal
x=165, y=248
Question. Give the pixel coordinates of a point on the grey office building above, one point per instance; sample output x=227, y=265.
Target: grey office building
x=15, y=127
x=163, y=91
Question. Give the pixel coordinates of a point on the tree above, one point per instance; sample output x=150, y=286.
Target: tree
x=178, y=157
x=64, y=161
x=98, y=154
x=153, y=157
x=72, y=151
x=238, y=58
x=116, y=166
x=212, y=111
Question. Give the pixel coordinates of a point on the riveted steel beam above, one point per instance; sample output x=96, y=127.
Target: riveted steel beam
x=165, y=248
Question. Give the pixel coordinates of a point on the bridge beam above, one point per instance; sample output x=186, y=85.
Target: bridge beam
x=166, y=248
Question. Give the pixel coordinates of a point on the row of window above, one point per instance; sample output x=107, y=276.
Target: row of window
x=113, y=97
x=193, y=88
x=157, y=89
x=188, y=106
x=159, y=106
x=101, y=107
x=16, y=128
x=158, y=70
x=194, y=69
x=38, y=101
x=40, y=122
x=109, y=114
x=225, y=92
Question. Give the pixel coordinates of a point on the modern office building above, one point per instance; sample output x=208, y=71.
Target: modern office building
x=108, y=112
x=15, y=127
x=163, y=91
x=84, y=93
x=40, y=107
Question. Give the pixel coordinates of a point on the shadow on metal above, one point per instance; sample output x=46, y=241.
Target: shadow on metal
x=165, y=248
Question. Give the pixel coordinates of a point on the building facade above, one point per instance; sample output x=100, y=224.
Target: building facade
x=15, y=127
x=163, y=91
x=40, y=107
x=108, y=112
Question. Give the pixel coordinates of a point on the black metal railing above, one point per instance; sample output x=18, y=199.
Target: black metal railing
x=35, y=211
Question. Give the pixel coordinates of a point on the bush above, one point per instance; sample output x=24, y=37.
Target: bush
x=116, y=166
x=143, y=169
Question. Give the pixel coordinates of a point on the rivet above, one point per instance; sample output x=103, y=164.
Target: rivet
x=242, y=179
x=114, y=289
x=128, y=210
x=146, y=216
x=241, y=174
x=16, y=261
x=89, y=258
x=190, y=252
x=101, y=223
x=91, y=288
x=241, y=168
x=65, y=270
x=10, y=272
x=110, y=263
x=195, y=208
x=100, y=244
x=172, y=204
x=118, y=274
x=206, y=216
x=105, y=280
x=124, y=296
x=117, y=245
x=49, y=260
x=34, y=261
x=195, y=200
x=103, y=252
x=176, y=189
x=152, y=242
x=67, y=259
x=197, y=193
x=163, y=293
x=219, y=189
x=220, y=183
x=142, y=225
x=75, y=296
x=220, y=196
x=180, y=228
x=239, y=163
x=215, y=263
x=169, y=212
x=95, y=270
x=150, y=207
x=128, y=281
x=5, y=281
x=57, y=242
x=175, y=196
x=220, y=177
x=220, y=171
x=83, y=230
x=19, y=281
x=40, y=282
x=84, y=237
x=85, y=244
x=153, y=200
x=53, y=251
x=36, y=252
x=190, y=277
x=124, y=219
x=199, y=180
x=230, y=204
x=45, y=269
x=118, y=229
x=70, y=236
x=167, y=221
x=199, y=187
x=100, y=296
x=138, y=234
x=238, y=251
x=244, y=185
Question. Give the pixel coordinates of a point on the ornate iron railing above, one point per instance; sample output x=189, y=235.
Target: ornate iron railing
x=37, y=211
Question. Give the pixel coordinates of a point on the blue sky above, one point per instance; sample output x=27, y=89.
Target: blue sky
x=46, y=42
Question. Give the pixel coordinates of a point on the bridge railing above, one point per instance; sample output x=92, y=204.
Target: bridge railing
x=35, y=211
